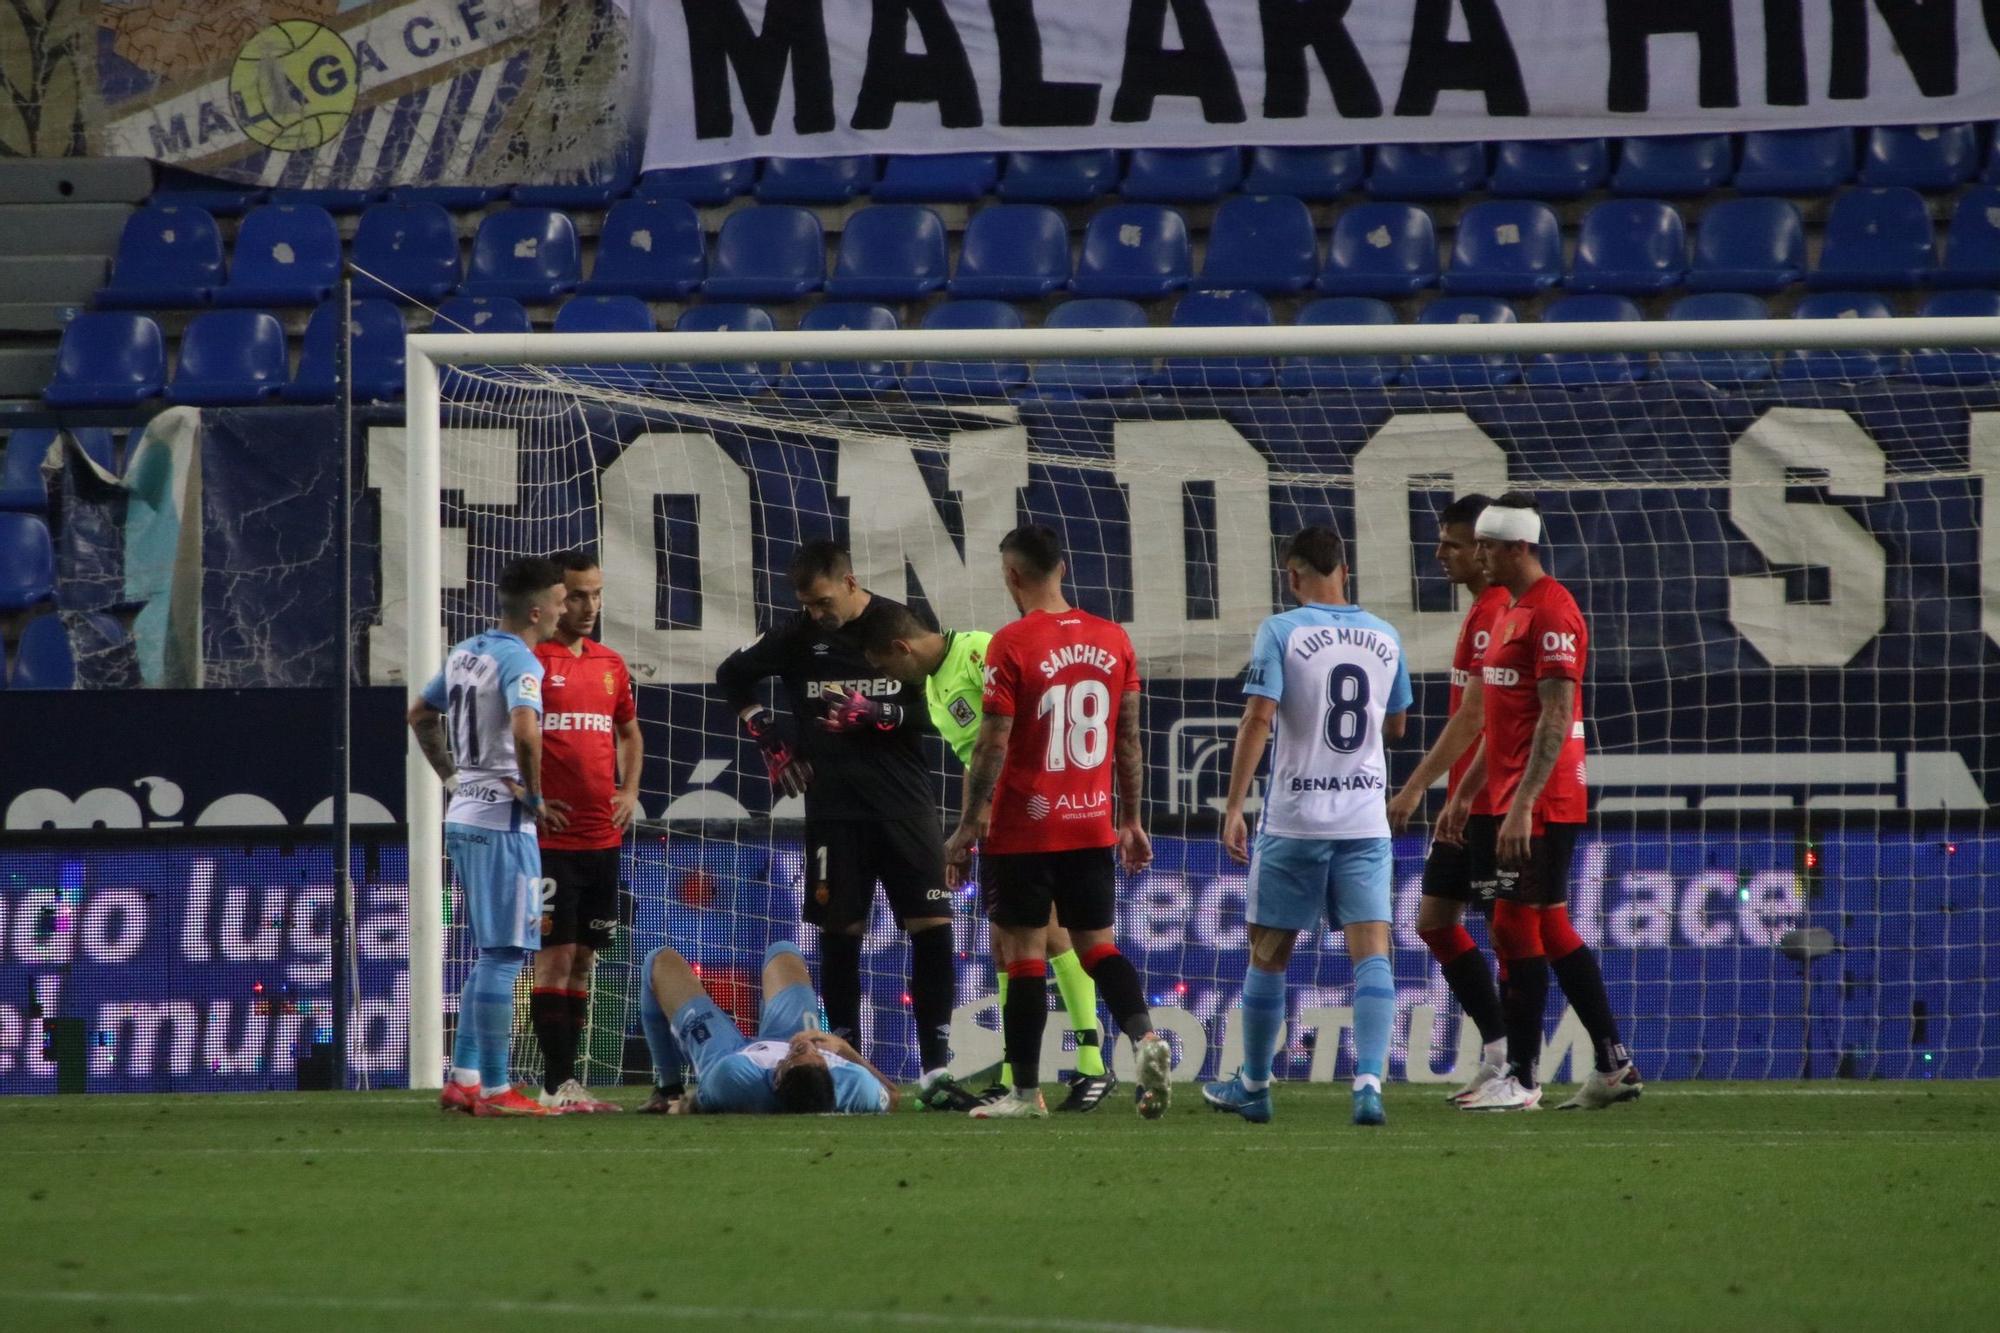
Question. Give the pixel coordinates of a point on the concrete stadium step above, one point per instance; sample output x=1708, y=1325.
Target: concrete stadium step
x=24, y=370
x=67, y=278
x=47, y=317
x=61, y=229
x=75, y=180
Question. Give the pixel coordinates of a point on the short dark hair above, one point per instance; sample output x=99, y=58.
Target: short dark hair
x=574, y=561
x=1518, y=500
x=1465, y=509
x=821, y=559
x=805, y=1089
x=521, y=579
x=1036, y=546
x=887, y=622
x=1318, y=547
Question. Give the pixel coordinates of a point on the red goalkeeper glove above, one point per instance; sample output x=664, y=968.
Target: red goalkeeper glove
x=857, y=712
x=789, y=773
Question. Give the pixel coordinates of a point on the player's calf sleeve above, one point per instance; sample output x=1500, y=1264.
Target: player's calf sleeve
x=548, y=1014
x=465, y=1038
x=1118, y=981
x=1263, y=1023
x=840, y=983
x=1079, y=997
x=1000, y=998
x=668, y=1061
x=1024, y=1018
x=491, y=992
x=933, y=987
x=579, y=1024
x=1465, y=972
x=1517, y=938
x=1374, y=1014
x=1582, y=981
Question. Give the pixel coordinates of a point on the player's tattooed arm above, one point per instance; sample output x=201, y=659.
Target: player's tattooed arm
x=982, y=775
x=1135, y=849
x=1558, y=700
x=526, y=725
x=427, y=725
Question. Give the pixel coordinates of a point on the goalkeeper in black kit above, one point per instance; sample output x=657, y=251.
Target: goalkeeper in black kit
x=856, y=756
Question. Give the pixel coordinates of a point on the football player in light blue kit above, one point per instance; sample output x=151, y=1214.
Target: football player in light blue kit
x=489, y=699
x=789, y=1066
x=1334, y=679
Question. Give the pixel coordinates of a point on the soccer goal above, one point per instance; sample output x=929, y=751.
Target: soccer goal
x=1784, y=535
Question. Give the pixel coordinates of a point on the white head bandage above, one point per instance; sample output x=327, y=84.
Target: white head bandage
x=1503, y=524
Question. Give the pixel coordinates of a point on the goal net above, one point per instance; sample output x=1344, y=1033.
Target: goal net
x=1782, y=534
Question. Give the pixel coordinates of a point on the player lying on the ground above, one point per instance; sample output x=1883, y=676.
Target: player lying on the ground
x=951, y=667
x=1531, y=766
x=1334, y=679
x=789, y=1067
x=1448, y=883
x=490, y=692
x=1060, y=713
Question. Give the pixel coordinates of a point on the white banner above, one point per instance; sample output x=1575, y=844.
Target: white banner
x=751, y=78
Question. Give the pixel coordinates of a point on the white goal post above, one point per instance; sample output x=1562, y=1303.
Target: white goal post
x=429, y=354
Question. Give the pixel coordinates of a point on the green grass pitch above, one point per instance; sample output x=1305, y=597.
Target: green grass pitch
x=1703, y=1206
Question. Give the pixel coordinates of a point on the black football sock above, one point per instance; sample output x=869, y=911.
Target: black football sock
x=1583, y=986
x=1527, y=998
x=1023, y=1019
x=579, y=1023
x=840, y=984
x=548, y=1012
x=932, y=986
x=1472, y=982
x=1118, y=983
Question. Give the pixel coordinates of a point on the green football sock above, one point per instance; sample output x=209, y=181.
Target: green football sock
x=1006, y=1069
x=1079, y=997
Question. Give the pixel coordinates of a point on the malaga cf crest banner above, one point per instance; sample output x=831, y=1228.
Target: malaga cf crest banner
x=747, y=78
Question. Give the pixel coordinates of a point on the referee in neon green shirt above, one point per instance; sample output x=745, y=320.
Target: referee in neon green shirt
x=952, y=666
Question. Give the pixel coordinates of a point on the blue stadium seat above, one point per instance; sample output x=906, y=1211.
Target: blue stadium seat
x=1263, y=242
x=330, y=199
x=454, y=198
x=1432, y=370
x=891, y=252
x=406, y=253
x=1972, y=246
x=480, y=314
x=722, y=379
x=1549, y=168
x=1923, y=157
x=44, y=659
x=1217, y=374
x=230, y=358
x=1842, y=365
x=842, y=379
x=1305, y=173
x=1570, y=369
x=651, y=248
x=968, y=379
x=1381, y=250
x=612, y=314
x=594, y=191
x=1137, y=251
x=22, y=487
x=1342, y=372
x=1742, y=367
x=1013, y=252
x=285, y=255
x=1748, y=245
x=215, y=198
x=814, y=180
x=715, y=183
x=1505, y=248
x=108, y=359
x=937, y=178
x=27, y=563
x=1875, y=238
x=1633, y=246
x=1673, y=164
x=1102, y=377
x=1427, y=170
x=167, y=257
x=1969, y=367
x=770, y=253
x=1796, y=161
x=1181, y=175
x=1058, y=178
x=376, y=356
x=529, y=254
